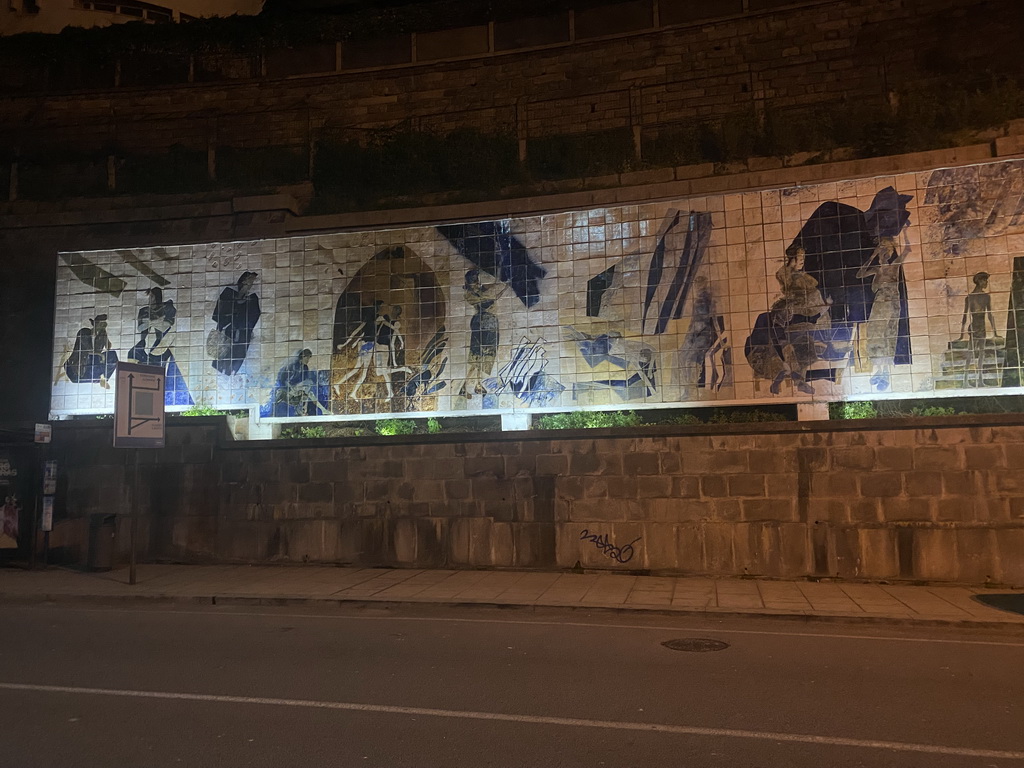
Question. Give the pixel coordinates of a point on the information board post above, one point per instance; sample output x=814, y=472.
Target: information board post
x=49, y=491
x=32, y=535
x=138, y=423
x=42, y=507
x=132, y=559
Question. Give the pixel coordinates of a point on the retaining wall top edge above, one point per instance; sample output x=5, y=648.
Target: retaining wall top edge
x=612, y=433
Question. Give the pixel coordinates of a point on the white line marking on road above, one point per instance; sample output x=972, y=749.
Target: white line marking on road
x=681, y=730
x=214, y=611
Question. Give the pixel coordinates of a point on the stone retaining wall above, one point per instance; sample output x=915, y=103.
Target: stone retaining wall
x=923, y=499
x=604, y=71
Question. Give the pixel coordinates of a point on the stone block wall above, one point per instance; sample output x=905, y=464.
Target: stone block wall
x=924, y=499
x=623, y=65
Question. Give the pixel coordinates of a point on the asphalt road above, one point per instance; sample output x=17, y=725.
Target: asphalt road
x=464, y=688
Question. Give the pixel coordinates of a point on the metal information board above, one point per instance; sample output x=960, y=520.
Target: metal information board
x=139, y=406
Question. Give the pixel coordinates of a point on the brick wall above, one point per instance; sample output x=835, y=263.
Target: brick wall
x=935, y=500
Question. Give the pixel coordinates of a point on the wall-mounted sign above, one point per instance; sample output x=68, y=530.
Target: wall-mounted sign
x=139, y=406
x=44, y=432
x=10, y=503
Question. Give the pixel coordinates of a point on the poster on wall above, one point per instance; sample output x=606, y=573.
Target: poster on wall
x=907, y=285
x=11, y=502
x=46, y=521
x=49, y=477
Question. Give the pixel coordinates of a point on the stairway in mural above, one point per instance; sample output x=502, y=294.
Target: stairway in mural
x=960, y=369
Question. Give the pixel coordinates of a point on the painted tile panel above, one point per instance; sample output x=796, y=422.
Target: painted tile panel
x=910, y=285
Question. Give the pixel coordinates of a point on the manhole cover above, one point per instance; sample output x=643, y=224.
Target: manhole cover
x=695, y=645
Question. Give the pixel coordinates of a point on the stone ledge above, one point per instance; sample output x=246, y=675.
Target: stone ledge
x=1009, y=145
x=255, y=203
x=67, y=428
x=119, y=210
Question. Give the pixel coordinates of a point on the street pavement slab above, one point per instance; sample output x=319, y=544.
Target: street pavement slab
x=528, y=589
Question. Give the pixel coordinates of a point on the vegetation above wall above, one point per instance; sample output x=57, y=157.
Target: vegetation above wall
x=392, y=427
x=638, y=420
x=921, y=118
x=953, y=94
x=353, y=175
x=694, y=417
x=403, y=167
x=895, y=409
x=588, y=420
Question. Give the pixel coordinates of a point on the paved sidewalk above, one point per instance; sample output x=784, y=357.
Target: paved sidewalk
x=240, y=584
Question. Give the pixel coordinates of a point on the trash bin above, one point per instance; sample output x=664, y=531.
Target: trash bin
x=102, y=535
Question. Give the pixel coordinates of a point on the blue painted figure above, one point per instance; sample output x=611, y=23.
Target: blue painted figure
x=236, y=314
x=298, y=391
x=842, y=270
x=156, y=338
x=484, y=333
x=381, y=345
x=92, y=359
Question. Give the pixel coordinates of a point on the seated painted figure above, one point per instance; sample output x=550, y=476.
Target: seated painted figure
x=92, y=359
x=298, y=391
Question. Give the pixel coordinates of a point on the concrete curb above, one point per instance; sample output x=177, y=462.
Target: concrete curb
x=367, y=602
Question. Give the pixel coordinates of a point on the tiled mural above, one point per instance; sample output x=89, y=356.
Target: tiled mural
x=896, y=286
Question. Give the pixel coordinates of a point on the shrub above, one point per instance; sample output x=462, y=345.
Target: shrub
x=403, y=162
x=203, y=410
x=433, y=426
x=934, y=410
x=177, y=171
x=589, y=420
x=888, y=410
x=261, y=167
x=578, y=155
x=745, y=417
x=395, y=427
x=858, y=410
x=294, y=433
x=684, y=420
